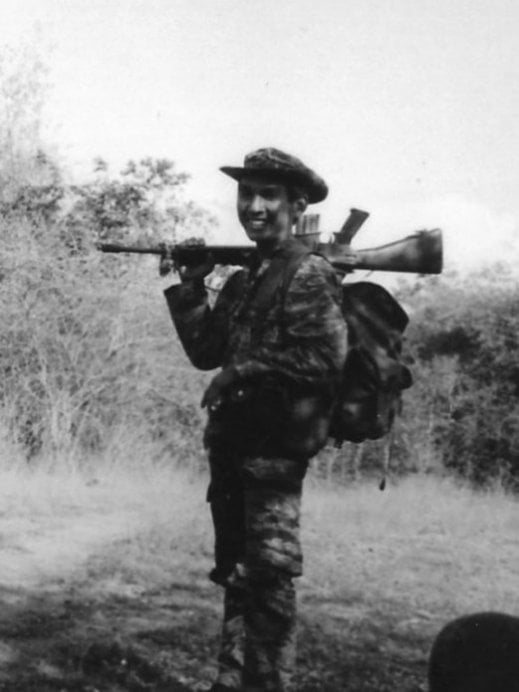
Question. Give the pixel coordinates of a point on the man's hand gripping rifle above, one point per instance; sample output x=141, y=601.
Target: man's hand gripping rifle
x=419, y=253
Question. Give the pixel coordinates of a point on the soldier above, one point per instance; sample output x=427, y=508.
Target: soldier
x=278, y=335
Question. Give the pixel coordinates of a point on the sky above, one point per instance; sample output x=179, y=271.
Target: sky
x=407, y=108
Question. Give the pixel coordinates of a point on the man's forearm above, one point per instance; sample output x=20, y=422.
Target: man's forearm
x=198, y=329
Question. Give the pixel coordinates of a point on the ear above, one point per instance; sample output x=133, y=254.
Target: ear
x=299, y=206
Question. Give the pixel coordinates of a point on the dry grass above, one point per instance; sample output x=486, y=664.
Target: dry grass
x=425, y=542
x=51, y=522
x=385, y=570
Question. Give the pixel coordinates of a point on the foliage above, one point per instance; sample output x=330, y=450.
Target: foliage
x=464, y=339
x=87, y=354
x=86, y=338
x=23, y=89
x=143, y=203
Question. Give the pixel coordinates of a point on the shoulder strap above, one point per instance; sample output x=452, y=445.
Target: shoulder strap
x=280, y=273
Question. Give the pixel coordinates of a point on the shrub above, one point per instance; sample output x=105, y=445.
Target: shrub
x=87, y=350
x=464, y=341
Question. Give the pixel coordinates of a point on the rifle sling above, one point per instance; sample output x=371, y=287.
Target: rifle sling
x=279, y=274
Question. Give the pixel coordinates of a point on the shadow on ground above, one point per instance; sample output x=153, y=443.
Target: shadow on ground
x=75, y=637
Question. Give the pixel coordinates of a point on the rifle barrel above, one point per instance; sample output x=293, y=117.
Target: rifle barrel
x=115, y=247
x=184, y=254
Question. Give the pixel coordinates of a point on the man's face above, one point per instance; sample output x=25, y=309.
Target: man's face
x=264, y=208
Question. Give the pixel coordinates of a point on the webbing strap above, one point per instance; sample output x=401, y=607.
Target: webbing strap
x=279, y=274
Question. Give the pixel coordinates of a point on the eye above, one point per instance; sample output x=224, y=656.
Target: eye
x=244, y=192
x=270, y=193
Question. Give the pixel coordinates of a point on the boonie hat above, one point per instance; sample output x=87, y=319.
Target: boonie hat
x=282, y=167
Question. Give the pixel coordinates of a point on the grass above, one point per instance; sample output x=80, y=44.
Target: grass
x=438, y=545
x=385, y=570
x=120, y=563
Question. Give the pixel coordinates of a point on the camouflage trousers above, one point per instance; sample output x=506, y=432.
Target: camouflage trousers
x=255, y=504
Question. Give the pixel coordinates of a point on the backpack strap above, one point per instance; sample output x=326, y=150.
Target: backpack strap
x=279, y=274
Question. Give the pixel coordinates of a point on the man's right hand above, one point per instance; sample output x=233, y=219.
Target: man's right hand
x=201, y=265
x=198, y=269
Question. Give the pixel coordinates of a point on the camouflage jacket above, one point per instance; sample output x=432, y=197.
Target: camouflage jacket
x=299, y=338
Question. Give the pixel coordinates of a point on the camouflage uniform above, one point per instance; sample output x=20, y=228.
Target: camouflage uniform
x=291, y=352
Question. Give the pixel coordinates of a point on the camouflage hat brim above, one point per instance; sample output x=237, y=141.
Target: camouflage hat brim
x=283, y=168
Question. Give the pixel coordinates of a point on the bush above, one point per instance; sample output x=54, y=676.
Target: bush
x=464, y=339
x=88, y=354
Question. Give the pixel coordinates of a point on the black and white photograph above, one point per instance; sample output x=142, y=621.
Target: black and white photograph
x=259, y=346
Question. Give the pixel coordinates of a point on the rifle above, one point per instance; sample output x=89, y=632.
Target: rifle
x=421, y=252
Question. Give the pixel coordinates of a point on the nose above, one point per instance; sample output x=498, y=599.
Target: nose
x=256, y=205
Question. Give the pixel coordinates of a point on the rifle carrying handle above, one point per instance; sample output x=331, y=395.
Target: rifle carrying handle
x=350, y=227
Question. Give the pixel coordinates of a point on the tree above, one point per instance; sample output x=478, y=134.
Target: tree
x=23, y=89
x=84, y=340
x=464, y=337
x=144, y=203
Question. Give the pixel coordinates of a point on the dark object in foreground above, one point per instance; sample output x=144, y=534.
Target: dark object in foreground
x=476, y=653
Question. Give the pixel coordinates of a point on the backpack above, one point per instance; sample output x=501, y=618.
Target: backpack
x=370, y=392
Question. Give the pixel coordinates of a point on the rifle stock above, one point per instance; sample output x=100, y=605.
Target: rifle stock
x=420, y=253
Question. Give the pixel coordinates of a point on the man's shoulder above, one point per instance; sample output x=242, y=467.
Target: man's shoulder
x=314, y=281
x=316, y=267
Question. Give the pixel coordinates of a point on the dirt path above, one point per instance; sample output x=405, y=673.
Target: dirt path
x=65, y=607
x=38, y=556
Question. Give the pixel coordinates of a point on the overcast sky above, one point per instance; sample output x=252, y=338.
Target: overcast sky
x=408, y=108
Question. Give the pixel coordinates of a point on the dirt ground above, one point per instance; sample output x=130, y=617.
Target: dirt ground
x=85, y=628
x=102, y=596
x=112, y=600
